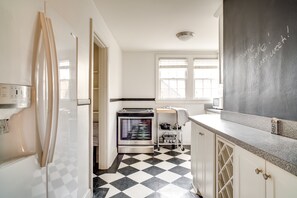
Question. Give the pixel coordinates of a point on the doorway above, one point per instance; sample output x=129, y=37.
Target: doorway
x=98, y=114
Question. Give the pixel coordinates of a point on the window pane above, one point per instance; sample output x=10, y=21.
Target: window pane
x=206, y=88
x=215, y=84
x=198, y=93
x=173, y=72
x=198, y=84
x=172, y=89
x=206, y=84
x=181, y=84
x=206, y=62
x=173, y=84
x=206, y=73
x=164, y=93
x=164, y=84
x=207, y=93
x=181, y=93
x=173, y=62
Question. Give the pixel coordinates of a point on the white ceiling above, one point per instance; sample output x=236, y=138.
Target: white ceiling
x=152, y=24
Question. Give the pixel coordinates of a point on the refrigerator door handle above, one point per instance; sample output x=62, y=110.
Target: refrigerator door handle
x=47, y=93
x=83, y=102
x=55, y=115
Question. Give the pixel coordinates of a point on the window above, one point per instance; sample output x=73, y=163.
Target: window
x=206, y=78
x=187, y=78
x=173, y=76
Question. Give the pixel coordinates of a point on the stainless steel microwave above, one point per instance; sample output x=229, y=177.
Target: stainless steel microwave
x=217, y=103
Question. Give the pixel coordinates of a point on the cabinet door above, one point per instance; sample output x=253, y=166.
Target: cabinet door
x=203, y=160
x=194, y=145
x=200, y=173
x=281, y=183
x=197, y=160
x=247, y=183
x=209, y=164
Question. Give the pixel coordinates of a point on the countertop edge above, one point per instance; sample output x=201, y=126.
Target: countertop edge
x=281, y=163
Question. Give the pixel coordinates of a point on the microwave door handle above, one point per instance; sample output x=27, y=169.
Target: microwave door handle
x=49, y=93
x=55, y=115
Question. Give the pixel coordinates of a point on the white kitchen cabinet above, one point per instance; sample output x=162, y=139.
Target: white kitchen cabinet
x=281, y=184
x=247, y=183
x=256, y=177
x=203, y=160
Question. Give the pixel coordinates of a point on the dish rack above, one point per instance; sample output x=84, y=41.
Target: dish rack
x=171, y=135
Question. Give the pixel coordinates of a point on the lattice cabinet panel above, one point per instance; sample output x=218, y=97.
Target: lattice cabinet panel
x=224, y=169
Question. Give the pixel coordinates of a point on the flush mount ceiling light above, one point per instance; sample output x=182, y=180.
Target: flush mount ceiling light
x=185, y=35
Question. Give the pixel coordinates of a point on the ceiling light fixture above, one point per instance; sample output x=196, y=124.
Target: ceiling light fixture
x=185, y=35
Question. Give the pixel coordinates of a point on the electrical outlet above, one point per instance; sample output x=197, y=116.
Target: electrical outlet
x=275, y=126
x=3, y=126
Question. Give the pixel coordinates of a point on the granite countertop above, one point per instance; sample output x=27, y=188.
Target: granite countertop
x=278, y=150
x=214, y=110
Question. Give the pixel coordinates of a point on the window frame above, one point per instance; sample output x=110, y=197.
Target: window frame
x=172, y=67
x=190, y=86
x=211, y=79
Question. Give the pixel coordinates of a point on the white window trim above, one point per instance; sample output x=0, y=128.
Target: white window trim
x=189, y=82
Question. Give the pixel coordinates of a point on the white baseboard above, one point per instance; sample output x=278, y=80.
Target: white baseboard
x=88, y=194
x=196, y=190
x=113, y=156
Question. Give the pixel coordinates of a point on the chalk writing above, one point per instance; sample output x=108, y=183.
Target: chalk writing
x=265, y=50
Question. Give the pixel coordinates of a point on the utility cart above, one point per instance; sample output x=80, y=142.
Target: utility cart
x=172, y=136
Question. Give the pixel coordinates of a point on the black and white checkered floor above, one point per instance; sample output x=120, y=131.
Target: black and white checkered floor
x=166, y=173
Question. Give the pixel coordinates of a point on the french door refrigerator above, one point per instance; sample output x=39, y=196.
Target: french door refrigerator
x=38, y=142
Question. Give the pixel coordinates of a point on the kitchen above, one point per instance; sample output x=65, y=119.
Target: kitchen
x=128, y=67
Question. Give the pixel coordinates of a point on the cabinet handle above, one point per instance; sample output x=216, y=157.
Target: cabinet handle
x=201, y=133
x=257, y=171
x=265, y=176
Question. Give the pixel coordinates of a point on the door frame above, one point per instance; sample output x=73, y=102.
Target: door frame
x=103, y=101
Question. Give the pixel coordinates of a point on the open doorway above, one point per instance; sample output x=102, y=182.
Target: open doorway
x=95, y=106
x=98, y=114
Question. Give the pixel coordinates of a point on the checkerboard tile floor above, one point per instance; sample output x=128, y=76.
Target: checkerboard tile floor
x=166, y=174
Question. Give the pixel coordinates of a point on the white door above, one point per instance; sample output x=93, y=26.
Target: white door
x=63, y=170
x=201, y=160
x=247, y=183
x=281, y=183
x=194, y=154
x=209, y=160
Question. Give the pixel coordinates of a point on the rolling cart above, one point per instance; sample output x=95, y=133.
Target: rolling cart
x=172, y=136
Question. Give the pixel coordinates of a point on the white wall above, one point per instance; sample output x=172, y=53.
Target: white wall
x=139, y=82
x=138, y=75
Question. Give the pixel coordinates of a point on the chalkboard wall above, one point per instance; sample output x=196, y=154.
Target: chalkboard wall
x=260, y=57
